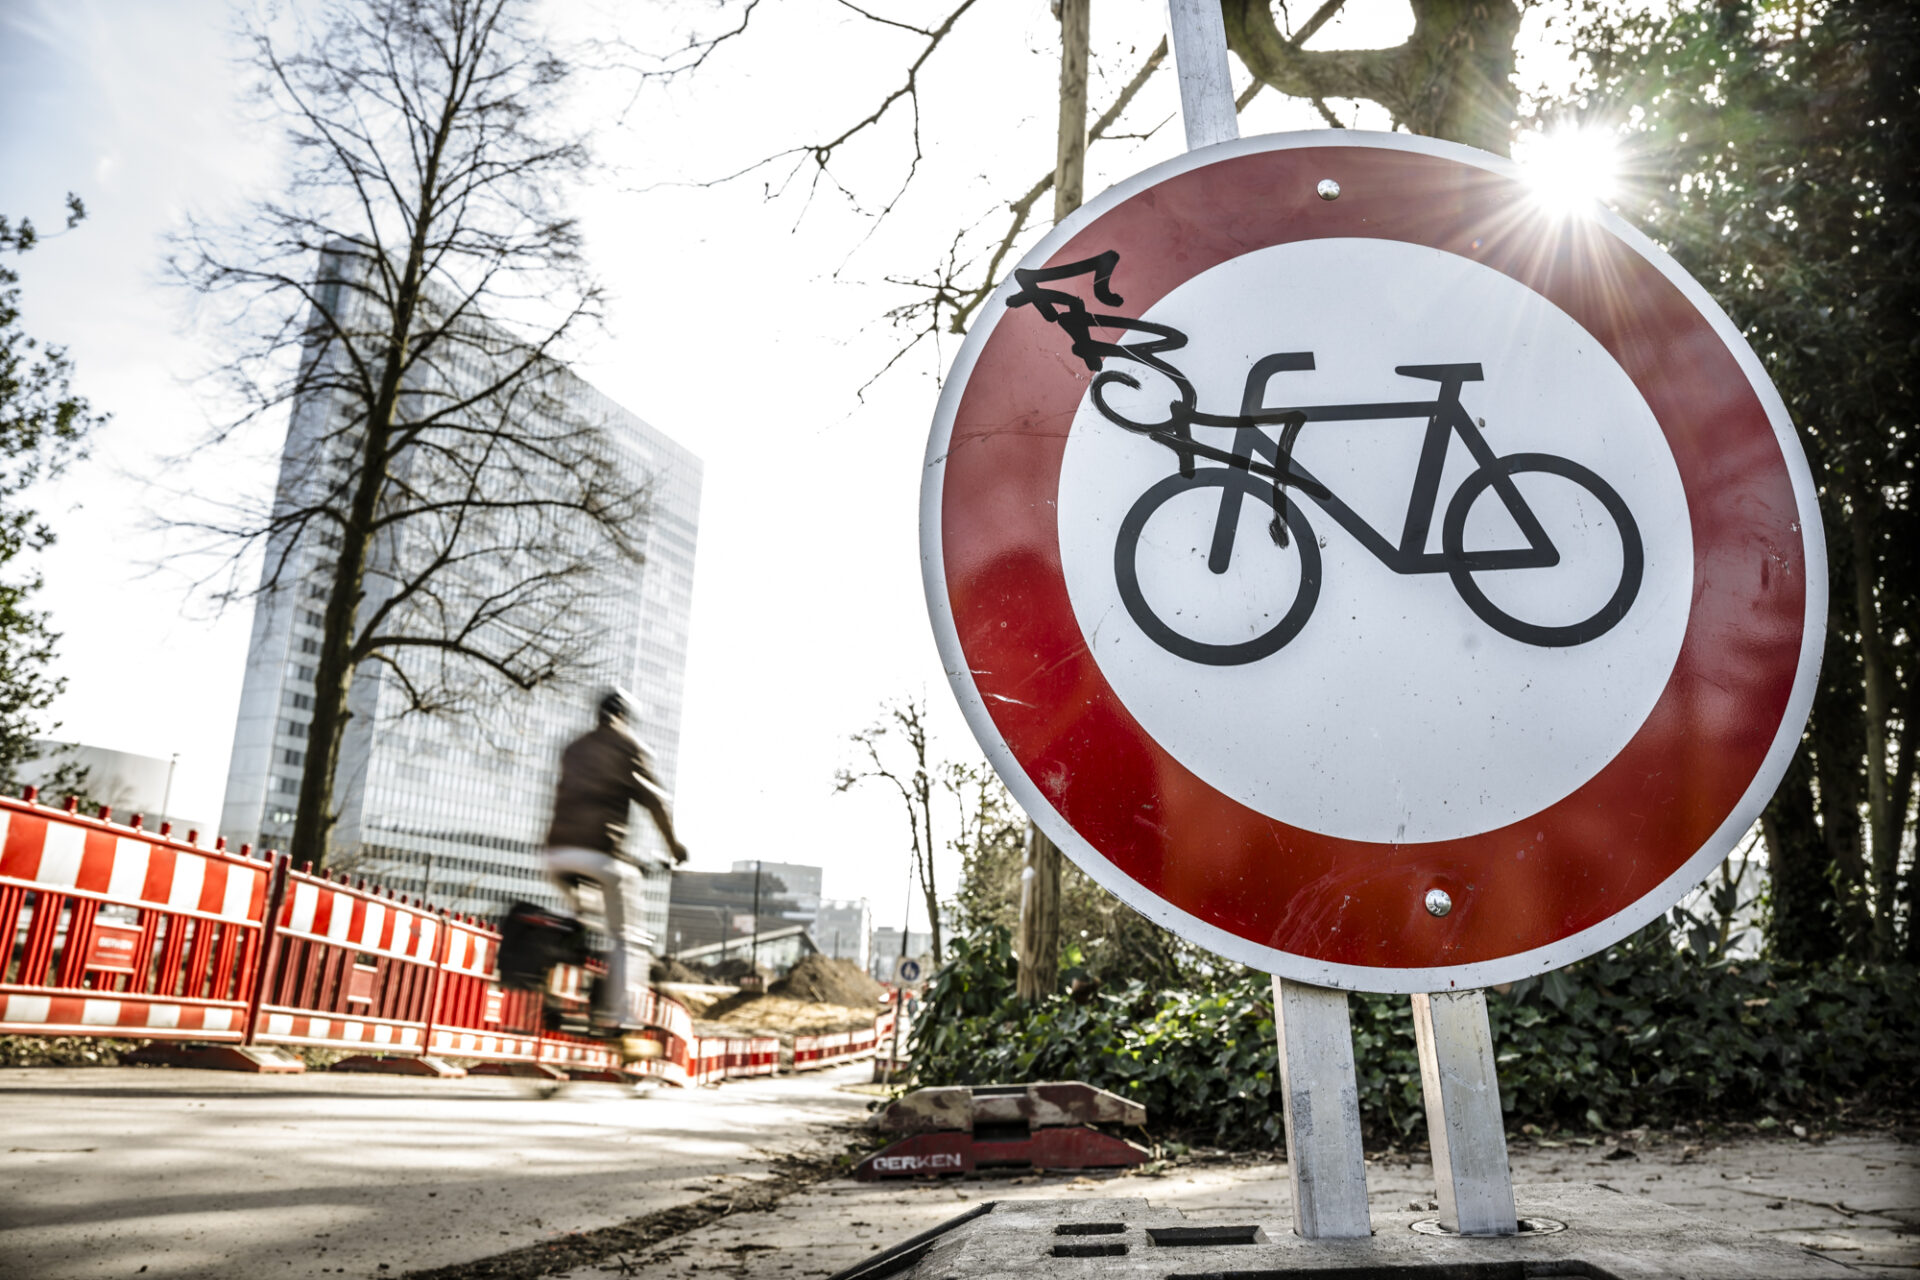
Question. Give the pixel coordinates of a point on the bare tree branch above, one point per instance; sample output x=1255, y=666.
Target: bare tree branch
x=819, y=155
x=912, y=778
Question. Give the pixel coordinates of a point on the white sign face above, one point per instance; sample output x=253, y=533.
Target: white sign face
x=906, y=970
x=1408, y=590
x=1435, y=724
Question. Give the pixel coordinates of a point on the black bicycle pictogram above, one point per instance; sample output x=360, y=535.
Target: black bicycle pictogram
x=1255, y=453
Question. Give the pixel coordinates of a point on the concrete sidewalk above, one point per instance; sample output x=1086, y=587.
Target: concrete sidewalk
x=1855, y=1198
x=118, y=1172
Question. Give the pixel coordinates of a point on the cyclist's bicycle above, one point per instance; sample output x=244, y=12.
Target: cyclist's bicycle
x=548, y=953
x=1262, y=466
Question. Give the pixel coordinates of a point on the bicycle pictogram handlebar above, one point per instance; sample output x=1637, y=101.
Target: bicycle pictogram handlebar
x=1254, y=452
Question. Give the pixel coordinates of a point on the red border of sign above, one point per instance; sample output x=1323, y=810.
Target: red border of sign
x=1529, y=896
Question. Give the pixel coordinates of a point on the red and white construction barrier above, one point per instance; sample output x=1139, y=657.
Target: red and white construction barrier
x=810, y=1052
x=112, y=930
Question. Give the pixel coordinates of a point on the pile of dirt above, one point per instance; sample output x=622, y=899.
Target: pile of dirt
x=696, y=997
x=827, y=980
x=667, y=969
x=750, y=1013
x=731, y=971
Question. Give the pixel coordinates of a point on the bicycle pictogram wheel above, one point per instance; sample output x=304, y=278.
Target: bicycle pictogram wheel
x=1126, y=568
x=1632, y=552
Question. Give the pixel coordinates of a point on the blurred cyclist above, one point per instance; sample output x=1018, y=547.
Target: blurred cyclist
x=602, y=773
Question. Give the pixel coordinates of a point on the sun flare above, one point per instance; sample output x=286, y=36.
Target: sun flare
x=1570, y=169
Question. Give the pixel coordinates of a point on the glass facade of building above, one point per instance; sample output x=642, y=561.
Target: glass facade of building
x=454, y=808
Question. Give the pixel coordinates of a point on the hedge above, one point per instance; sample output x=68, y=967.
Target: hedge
x=1643, y=1034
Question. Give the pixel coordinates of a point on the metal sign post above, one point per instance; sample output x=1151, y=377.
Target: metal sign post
x=1198, y=36
x=1326, y=1163
x=1472, y=1178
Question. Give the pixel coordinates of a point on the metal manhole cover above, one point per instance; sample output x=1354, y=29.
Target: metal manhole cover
x=1528, y=1226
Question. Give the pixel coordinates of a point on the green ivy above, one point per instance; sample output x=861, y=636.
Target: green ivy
x=1643, y=1034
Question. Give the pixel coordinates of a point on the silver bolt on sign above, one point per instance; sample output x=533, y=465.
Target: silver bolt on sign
x=1328, y=189
x=1438, y=903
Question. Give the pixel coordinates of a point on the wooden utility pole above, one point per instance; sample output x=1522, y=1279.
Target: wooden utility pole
x=1040, y=879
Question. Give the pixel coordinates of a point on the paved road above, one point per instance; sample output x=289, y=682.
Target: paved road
x=122, y=1172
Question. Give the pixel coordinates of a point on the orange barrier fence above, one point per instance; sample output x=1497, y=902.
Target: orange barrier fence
x=112, y=930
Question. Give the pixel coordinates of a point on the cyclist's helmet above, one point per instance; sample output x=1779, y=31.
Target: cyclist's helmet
x=616, y=705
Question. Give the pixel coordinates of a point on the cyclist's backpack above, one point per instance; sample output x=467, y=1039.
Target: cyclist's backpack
x=533, y=940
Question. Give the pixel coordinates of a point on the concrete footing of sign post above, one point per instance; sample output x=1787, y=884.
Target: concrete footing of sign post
x=1567, y=1230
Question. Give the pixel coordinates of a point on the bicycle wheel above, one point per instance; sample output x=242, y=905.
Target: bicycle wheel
x=1126, y=553
x=1632, y=553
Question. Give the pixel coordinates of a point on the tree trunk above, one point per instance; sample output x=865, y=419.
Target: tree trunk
x=1460, y=72
x=1070, y=155
x=1876, y=677
x=1802, y=921
x=923, y=857
x=1039, y=943
x=1039, y=949
x=933, y=914
x=333, y=680
x=1452, y=79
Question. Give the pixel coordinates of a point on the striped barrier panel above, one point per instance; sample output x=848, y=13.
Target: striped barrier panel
x=571, y=1054
x=757, y=1057
x=475, y=1018
x=351, y=968
x=671, y=1070
x=708, y=1060
x=810, y=1052
x=717, y=1058
x=819, y=1051
x=656, y=1010
x=113, y=930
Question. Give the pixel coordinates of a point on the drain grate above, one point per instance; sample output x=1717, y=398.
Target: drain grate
x=1195, y=1237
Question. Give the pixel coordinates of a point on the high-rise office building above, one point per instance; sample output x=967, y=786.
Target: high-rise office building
x=455, y=808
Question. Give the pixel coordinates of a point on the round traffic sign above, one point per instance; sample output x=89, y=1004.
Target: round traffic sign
x=1370, y=572
x=906, y=971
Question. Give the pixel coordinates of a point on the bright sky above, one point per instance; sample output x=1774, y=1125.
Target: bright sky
x=743, y=326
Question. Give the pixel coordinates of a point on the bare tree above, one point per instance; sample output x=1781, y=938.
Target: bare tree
x=1451, y=78
x=443, y=505
x=1099, y=935
x=893, y=750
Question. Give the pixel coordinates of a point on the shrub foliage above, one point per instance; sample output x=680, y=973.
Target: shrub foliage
x=1645, y=1033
